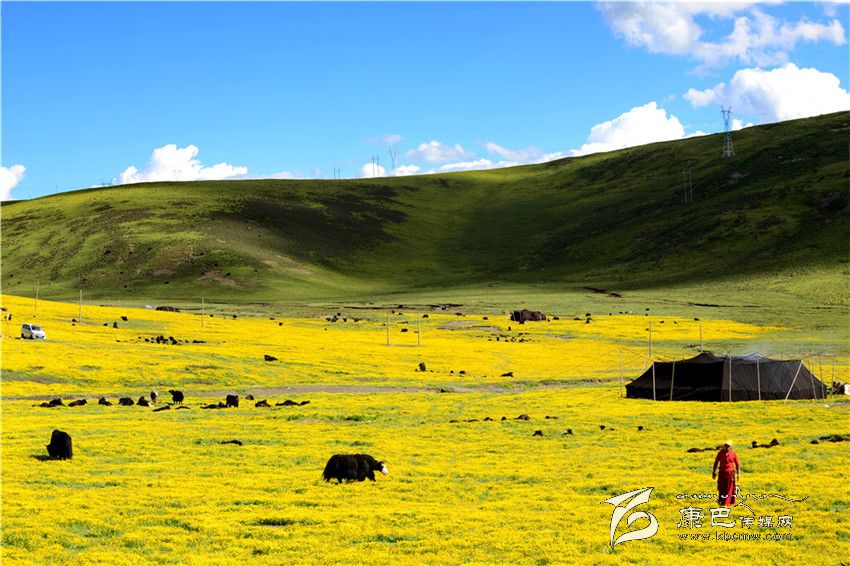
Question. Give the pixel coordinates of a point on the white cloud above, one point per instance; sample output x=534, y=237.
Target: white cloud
x=371, y=170
x=283, y=175
x=468, y=165
x=527, y=155
x=404, y=170
x=384, y=139
x=755, y=37
x=640, y=125
x=831, y=8
x=9, y=177
x=172, y=163
x=739, y=124
x=437, y=152
x=783, y=93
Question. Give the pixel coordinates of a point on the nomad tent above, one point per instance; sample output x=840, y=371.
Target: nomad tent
x=707, y=377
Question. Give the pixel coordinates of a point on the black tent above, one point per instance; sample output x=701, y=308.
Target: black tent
x=707, y=377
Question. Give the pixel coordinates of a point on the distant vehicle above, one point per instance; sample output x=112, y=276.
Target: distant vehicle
x=32, y=331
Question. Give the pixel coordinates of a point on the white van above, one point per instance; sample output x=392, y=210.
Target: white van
x=32, y=331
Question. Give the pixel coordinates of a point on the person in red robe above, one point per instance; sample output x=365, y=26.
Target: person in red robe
x=729, y=474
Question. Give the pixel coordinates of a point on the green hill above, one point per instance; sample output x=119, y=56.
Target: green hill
x=778, y=208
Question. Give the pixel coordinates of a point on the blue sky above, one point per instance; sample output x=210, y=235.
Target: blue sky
x=98, y=93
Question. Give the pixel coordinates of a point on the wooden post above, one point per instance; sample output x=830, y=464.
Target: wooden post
x=812, y=380
x=672, y=378
x=794, y=380
x=653, y=382
x=758, y=374
x=650, y=340
x=833, y=369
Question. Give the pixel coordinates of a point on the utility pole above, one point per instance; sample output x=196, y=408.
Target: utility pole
x=728, y=151
x=393, y=157
x=687, y=185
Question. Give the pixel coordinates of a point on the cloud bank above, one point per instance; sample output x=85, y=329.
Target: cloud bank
x=437, y=152
x=783, y=93
x=755, y=36
x=640, y=125
x=172, y=163
x=9, y=177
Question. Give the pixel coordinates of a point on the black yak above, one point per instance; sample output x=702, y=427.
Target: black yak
x=232, y=400
x=126, y=402
x=77, y=403
x=351, y=467
x=103, y=401
x=143, y=402
x=154, y=396
x=176, y=396
x=60, y=446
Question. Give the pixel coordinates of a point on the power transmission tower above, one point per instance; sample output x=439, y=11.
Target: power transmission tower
x=376, y=165
x=337, y=174
x=393, y=157
x=727, y=136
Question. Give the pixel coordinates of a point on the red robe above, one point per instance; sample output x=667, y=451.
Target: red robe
x=728, y=463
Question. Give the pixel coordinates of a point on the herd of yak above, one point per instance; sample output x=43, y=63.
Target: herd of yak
x=342, y=467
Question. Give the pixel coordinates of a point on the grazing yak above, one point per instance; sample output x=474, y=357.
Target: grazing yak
x=351, y=467
x=60, y=446
x=176, y=396
x=126, y=402
x=143, y=402
x=154, y=396
x=232, y=400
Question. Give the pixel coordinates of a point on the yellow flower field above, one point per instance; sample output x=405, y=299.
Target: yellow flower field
x=146, y=486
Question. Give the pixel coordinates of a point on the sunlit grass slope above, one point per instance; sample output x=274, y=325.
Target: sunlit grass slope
x=773, y=217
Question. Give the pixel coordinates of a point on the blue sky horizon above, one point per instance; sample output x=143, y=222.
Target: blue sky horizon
x=110, y=93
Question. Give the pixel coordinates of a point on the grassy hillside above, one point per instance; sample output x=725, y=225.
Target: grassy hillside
x=777, y=211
